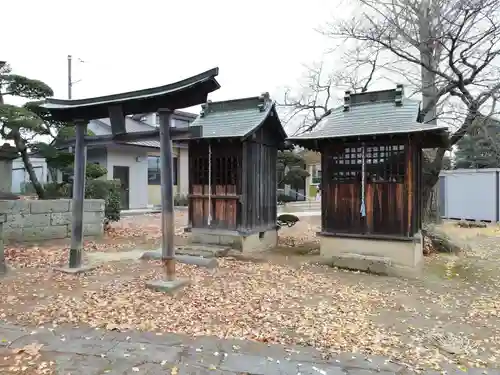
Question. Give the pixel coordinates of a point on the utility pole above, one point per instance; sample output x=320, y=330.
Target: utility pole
x=70, y=76
x=70, y=83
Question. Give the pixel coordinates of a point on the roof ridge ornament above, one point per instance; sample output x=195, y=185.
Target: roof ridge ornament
x=264, y=98
x=399, y=92
x=205, y=108
x=347, y=100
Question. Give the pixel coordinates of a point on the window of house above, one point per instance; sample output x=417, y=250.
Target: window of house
x=154, y=170
x=178, y=123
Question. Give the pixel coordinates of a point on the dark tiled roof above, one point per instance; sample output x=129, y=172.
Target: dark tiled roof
x=235, y=118
x=182, y=94
x=371, y=113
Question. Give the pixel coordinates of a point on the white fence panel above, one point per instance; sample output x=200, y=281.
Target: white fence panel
x=471, y=194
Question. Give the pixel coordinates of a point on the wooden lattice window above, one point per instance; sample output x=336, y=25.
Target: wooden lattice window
x=199, y=172
x=385, y=163
x=382, y=164
x=346, y=166
x=224, y=170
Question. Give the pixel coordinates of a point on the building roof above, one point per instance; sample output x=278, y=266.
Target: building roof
x=8, y=152
x=182, y=94
x=177, y=114
x=237, y=117
x=371, y=113
x=132, y=126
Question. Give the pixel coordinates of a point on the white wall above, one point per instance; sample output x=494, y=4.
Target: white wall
x=183, y=183
x=20, y=176
x=138, y=172
x=470, y=194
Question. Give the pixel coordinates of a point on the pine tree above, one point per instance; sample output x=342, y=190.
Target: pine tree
x=20, y=123
x=481, y=147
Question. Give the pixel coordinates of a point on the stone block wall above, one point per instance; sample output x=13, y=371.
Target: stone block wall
x=34, y=220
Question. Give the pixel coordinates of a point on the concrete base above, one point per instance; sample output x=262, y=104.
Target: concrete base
x=255, y=242
x=75, y=271
x=366, y=263
x=185, y=259
x=385, y=256
x=167, y=286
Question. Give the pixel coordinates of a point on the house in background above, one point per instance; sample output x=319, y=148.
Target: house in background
x=313, y=166
x=7, y=155
x=180, y=119
x=20, y=177
x=137, y=163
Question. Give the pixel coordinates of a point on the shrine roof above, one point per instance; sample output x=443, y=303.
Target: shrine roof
x=371, y=113
x=237, y=117
x=185, y=93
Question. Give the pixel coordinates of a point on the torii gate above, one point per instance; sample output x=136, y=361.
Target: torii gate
x=164, y=100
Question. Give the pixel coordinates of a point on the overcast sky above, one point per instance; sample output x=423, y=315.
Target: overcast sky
x=258, y=45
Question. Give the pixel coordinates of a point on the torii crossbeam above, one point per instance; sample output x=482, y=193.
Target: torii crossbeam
x=164, y=100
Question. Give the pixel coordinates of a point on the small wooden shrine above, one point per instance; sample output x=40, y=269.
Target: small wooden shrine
x=232, y=181
x=371, y=162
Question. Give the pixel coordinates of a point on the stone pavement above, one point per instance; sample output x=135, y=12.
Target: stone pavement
x=87, y=351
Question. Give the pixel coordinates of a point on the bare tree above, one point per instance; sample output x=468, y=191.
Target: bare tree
x=319, y=92
x=454, y=43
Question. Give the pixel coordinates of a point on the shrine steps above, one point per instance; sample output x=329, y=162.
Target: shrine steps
x=203, y=250
x=233, y=240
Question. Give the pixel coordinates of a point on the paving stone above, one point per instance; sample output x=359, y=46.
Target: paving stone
x=253, y=348
x=207, y=343
x=167, y=286
x=256, y=365
x=85, y=347
x=7, y=325
x=80, y=333
x=357, y=371
x=321, y=369
x=455, y=370
x=47, y=338
x=202, y=357
x=144, y=368
x=167, y=339
x=375, y=363
x=188, y=369
x=7, y=336
x=82, y=365
x=138, y=352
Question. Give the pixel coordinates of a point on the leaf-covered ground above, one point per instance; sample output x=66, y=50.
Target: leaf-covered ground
x=450, y=314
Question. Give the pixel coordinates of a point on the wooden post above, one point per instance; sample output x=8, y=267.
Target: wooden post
x=167, y=195
x=75, y=254
x=3, y=266
x=244, y=187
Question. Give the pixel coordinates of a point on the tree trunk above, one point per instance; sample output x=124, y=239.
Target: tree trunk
x=430, y=202
x=22, y=149
x=429, y=55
